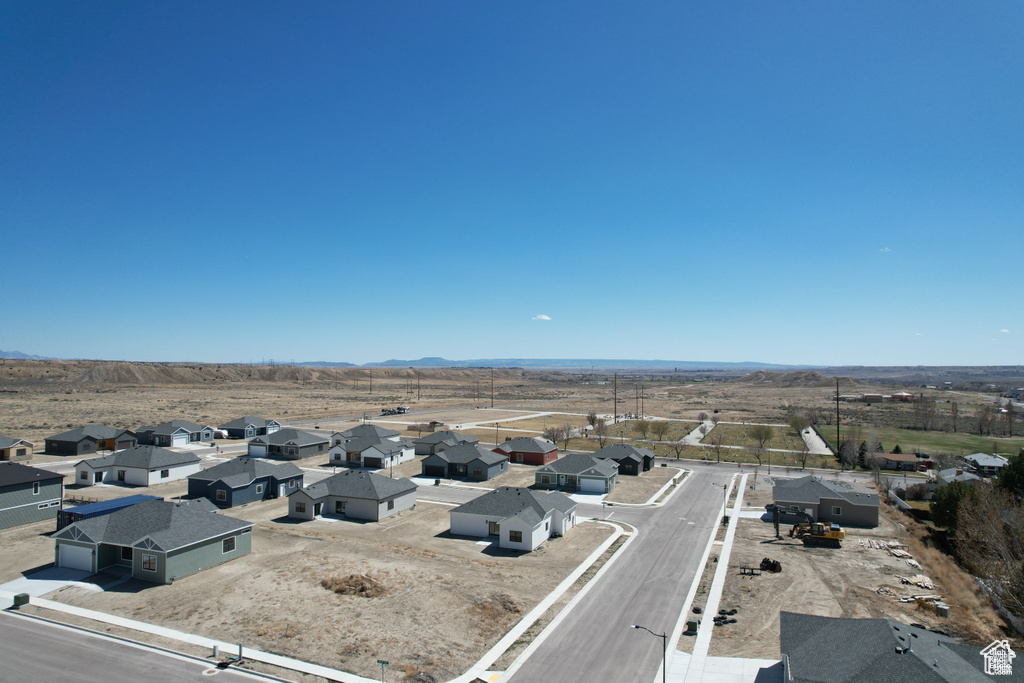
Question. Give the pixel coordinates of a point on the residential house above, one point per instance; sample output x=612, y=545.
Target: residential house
x=158, y=541
x=245, y=480
x=249, y=426
x=841, y=650
x=90, y=439
x=11, y=448
x=518, y=518
x=361, y=451
x=579, y=472
x=291, y=444
x=952, y=474
x=895, y=461
x=28, y=494
x=174, y=433
x=366, y=431
x=356, y=494
x=439, y=441
x=465, y=461
x=528, y=450
x=985, y=465
x=136, y=466
x=825, y=502
x=631, y=459
x=104, y=507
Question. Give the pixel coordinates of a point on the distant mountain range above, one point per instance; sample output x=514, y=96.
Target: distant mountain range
x=566, y=363
x=22, y=356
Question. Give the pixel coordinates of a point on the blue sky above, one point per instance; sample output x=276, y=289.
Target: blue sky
x=804, y=183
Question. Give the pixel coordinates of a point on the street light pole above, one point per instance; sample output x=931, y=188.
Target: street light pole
x=664, y=647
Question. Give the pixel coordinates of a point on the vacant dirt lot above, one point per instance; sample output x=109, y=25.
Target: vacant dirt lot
x=444, y=600
x=639, y=489
x=25, y=548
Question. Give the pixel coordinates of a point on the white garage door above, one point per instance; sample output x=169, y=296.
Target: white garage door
x=257, y=450
x=74, y=557
x=592, y=485
x=179, y=440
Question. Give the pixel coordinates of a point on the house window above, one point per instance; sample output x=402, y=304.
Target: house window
x=126, y=552
x=836, y=510
x=35, y=488
x=222, y=495
x=477, y=472
x=545, y=479
x=259, y=489
x=85, y=475
x=515, y=536
x=291, y=484
x=339, y=507
x=149, y=563
x=21, y=451
x=300, y=507
x=228, y=545
x=43, y=506
x=164, y=474
x=391, y=505
x=547, y=525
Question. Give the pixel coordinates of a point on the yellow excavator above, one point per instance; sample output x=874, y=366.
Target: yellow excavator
x=810, y=532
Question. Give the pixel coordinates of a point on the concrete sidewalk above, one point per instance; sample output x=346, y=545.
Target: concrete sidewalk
x=727, y=670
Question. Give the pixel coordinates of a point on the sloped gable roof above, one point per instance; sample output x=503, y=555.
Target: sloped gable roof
x=446, y=435
x=97, y=432
x=368, y=431
x=290, y=436
x=243, y=422
x=526, y=444
x=14, y=474
x=624, y=451
x=811, y=489
x=240, y=472
x=9, y=442
x=581, y=463
x=142, y=457
x=510, y=501
x=465, y=453
x=359, y=484
x=168, y=428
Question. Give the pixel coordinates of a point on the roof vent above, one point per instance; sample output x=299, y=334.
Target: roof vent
x=903, y=650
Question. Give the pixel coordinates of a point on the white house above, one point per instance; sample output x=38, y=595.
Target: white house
x=361, y=451
x=137, y=466
x=518, y=518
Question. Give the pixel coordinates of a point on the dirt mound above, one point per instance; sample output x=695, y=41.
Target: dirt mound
x=497, y=607
x=805, y=378
x=363, y=585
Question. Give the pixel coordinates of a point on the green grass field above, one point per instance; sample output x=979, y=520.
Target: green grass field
x=738, y=435
x=911, y=440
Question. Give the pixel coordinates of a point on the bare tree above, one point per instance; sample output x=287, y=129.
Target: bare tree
x=554, y=433
x=798, y=423
x=984, y=417
x=848, y=454
x=567, y=432
x=1008, y=418
x=715, y=419
x=762, y=434
x=592, y=418
x=924, y=412
x=702, y=416
x=678, y=447
x=660, y=428
x=988, y=542
x=954, y=413
x=641, y=427
x=803, y=452
x=718, y=442
x=704, y=429
x=600, y=431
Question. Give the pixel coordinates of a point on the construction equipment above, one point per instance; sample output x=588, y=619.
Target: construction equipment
x=811, y=532
x=770, y=565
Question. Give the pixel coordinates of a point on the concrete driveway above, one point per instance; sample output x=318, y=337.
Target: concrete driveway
x=44, y=581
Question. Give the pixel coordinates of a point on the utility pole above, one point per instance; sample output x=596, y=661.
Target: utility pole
x=641, y=401
x=417, y=385
x=615, y=400
x=492, y=387
x=837, y=412
x=370, y=373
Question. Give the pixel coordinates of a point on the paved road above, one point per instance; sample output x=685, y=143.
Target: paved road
x=647, y=585
x=87, y=658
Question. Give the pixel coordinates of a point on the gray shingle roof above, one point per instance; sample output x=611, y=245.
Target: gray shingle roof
x=986, y=460
x=13, y=473
x=526, y=444
x=368, y=431
x=811, y=489
x=360, y=484
x=10, y=442
x=95, y=431
x=446, y=435
x=465, y=453
x=837, y=650
x=240, y=472
x=243, y=422
x=145, y=457
x=578, y=463
x=624, y=451
x=289, y=435
x=171, y=525
x=509, y=501
x=171, y=427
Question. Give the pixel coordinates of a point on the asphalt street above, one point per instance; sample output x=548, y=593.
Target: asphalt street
x=88, y=658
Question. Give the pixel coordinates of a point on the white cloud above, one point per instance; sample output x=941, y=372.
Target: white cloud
x=884, y=250
x=917, y=334
x=1005, y=331
x=541, y=317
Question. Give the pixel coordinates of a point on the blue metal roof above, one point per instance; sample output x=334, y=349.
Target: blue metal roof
x=110, y=505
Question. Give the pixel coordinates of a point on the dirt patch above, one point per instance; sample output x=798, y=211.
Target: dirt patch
x=639, y=489
x=354, y=584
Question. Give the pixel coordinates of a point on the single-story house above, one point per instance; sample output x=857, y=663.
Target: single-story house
x=842, y=650
x=136, y=466
x=465, y=461
x=362, y=451
x=631, y=459
x=365, y=431
x=28, y=494
x=895, y=461
x=174, y=433
x=986, y=465
x=104, y=507
x=825, y=502
x=11, y=448
x=356, y=494
x=244, y=480
x=291, y=444
x=528, y=450
x=160, y=541
x=955, y=474
x=579, y=472
x=521, y=519
x=249, y=426
x=439, y=441
x=90, y=439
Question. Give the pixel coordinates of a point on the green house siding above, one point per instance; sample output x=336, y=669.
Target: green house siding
x=18, y=505
x=158, y=576
x=187, y=561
